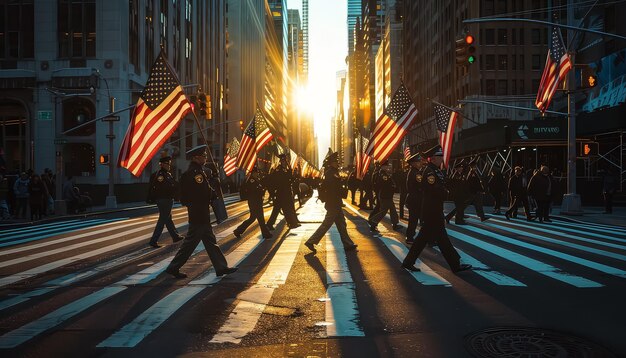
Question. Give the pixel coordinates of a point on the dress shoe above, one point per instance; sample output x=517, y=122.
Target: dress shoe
x=351, y=247
x=295, y=226
x=270, y=227
x=507, y=216
x=176, y=274
x=460, y=222
x=311, y=247
x=462, y=267
x=447, y=220
x=155, y=245
x=237, y=234
x=374, y=229
x=227, y=271
x=547, y=220
x=484, y=218
x=409, y=241
x=531, y=218
x=411, y=268
x=178, y=238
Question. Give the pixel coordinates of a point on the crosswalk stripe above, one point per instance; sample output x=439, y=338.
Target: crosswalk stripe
x=72, y=278
x=612, y=231
x=566, y=243
x=563, y=256
x=15, y=239
x=426, y=275
x=558, y=230
x=134, y=332
x=532, y=264
x=586, y=223
x=342, y=311
x=252, y=302
x=42, y=226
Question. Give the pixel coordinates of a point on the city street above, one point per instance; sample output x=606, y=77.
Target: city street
x=92, y=287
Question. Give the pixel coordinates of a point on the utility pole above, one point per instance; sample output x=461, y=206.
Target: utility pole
x=111, y=200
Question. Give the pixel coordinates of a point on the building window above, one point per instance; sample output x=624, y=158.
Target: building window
x=502, y=62
x=17, y=29
x=490, y=63
x=513, y=86
x=521, y=37
x=514, y=62
x=536, y=62
x=488, y=8
x=490, y=37
x=521, y=87
x=535, y=36
x=76, y=21
x=163, y=23
x=149, y=33
x=521, y=62
x=80, y=159
x=502, y=87
x=513, y=36
x=77, y=111
x=490, y=87
x=133, y=34
x=535, y=85
x=502, y=40
x=502, y=6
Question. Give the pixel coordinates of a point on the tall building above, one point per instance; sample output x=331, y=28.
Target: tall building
x=305, y=39
x=279, y=14
x=373, y=20
x=67, y=59
x=354, y=12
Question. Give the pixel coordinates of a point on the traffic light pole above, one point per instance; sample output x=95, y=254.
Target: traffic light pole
x=111, y=200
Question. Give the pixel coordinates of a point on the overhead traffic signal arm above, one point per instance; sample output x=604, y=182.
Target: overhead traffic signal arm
x=464, y=50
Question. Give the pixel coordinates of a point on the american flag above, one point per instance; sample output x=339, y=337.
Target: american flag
x=304, y=167
x=292, y=158
x=161, y=106
x=362, y=160
x=407, y=150
x=254, y=138
x=230, y=159
x=446, y=120
x=558, y=64
x=392, y=125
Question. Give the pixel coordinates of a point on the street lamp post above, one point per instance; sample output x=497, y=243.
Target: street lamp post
x=111, y=200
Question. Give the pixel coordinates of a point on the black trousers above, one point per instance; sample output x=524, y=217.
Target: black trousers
x=414, y=216
x=402, y=202
x=165, y=219
x=543, y=209
x=289, y=211
x=333, y=216
x=256, y=213
x=386, y=205
x=497, y=198
x=196, y=233
x=430, y=232
x=517, y=199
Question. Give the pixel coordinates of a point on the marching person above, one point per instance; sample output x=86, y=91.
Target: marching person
x=385, y=198
x=496, y=188
x=333, y=194
x=253, y=190
x=434, y=227
x=414, y=194
x=196, y=196
x=162, y=191
x=400, y=179
x=517, y=191
x=281, y=180
x=476, y=189
x=540, y=188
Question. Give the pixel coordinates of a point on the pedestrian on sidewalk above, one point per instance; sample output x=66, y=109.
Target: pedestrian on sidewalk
x=162, y=190
x=331, y=192
x=20, y=188
x=517, y=191
x=385, y=197
x=5, y=212
x=37, y=197
x=540, y=188
x=252, y=191
x=196, y=194
x=434, y=228
x=496, y=188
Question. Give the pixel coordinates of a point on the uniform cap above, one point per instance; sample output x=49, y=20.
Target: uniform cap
x=416, y=157
x=434, y=151
x=199, y=150
x=331, y=157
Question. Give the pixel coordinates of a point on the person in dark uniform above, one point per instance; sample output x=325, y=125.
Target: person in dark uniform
x=517, y=191
x=414, y=194
x=282, y=179
x=334, y=206
x=434, y=228
x=353, y=185
x=457, y=186
x=540, y=187
x=496, y=188
x=196, y=196
x=375, y=189
x=400, y=178
x=162, y=191
x=476, y=189
x=254, y=190
x=366, y=200
x=387, y=188
x=217, y=204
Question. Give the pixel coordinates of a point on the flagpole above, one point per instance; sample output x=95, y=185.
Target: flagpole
x=456, y=111
x=204, y=137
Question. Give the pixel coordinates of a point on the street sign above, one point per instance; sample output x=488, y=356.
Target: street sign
x=111, y=119
x=60, y=141
x=44, y=115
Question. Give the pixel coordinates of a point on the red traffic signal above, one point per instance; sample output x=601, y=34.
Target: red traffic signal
x=469, y=39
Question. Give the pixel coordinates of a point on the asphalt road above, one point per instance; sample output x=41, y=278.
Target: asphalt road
x=92, y=287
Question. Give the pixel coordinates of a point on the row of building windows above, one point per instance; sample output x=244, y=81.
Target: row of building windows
x=509, y=62
x=508, y=87
x=501, y=37
x=501, y=7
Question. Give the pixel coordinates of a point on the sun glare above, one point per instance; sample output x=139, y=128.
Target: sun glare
x=304, y=100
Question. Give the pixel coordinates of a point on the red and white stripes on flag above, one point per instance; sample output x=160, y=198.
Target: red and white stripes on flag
x=558, y=64
x=161, y=106
x=293, y=157
x=230, y=159
x=362, y=160
x=407, y=150
x=445, y=121
x=392, y=125
x=256, y=135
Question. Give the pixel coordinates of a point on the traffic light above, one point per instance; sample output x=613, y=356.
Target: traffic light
x=241, y=125
x=202, y=112
x=465, y=50
x=589, y=149
x=588, y=77
x=104, y=159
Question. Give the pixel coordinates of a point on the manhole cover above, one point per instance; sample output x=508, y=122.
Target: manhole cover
x=530, y=343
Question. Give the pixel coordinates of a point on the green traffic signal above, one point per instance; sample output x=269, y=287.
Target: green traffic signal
x=471, y=59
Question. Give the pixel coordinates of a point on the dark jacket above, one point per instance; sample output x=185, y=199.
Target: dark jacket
x=496, y=183
x=414, y=188
x=434, y=188
x=473, y=182
x=516, y=185
x=387, y=186
x=254, y=189
x=335, y=190
x=162, y=186
x=540, y=187
x=196, y=194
